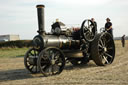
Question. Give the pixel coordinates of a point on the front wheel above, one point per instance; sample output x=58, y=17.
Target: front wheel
x=51, y=61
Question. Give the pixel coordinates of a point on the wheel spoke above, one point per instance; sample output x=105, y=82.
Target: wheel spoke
x=105, y=59
x=101, y=43
x=49, y=54
x=85, y=28
x=91, y=35
x=46, y=56
x=31, y=67
x=59, y=62
x=100, y=46
x=27, y=59
x=56, y=68
x=31, y=54
x=34, y=53
x=87, y=34
x=108, y=55
x=107, y=41
x=44, y=67
x=56, y=53
x=48, y=70
x=53, y=56
x=27, y=63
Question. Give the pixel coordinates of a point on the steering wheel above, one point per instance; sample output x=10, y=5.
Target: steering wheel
x=88, y=31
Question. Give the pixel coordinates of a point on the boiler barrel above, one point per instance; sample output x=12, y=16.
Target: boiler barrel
x=61, y=41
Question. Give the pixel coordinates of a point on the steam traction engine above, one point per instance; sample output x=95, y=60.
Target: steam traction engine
x=51, y=50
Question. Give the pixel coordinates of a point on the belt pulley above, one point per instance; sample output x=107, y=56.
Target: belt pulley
x=88, y=31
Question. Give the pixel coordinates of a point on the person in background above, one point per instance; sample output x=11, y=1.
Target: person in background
x=108, y=26
x=123, y=40
x=95, y=24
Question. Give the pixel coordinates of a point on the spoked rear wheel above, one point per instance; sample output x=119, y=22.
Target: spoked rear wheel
x=30, y=60
x=103, y=49
x=51, y=61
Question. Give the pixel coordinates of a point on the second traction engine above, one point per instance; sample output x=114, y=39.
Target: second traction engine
x=77, y=45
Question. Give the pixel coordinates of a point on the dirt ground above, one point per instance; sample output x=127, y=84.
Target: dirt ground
x=13, y=72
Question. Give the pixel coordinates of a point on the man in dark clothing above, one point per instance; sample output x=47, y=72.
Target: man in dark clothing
x=108, y=26
x=123, y=40
x=56, y=24
x=95, y=24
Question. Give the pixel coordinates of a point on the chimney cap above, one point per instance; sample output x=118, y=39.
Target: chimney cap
x=40, y=6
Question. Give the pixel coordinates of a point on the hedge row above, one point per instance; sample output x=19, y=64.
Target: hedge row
x=18, y=43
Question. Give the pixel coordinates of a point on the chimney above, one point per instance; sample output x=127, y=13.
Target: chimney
x=40, y=14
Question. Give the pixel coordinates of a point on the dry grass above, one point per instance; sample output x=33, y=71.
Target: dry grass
x=12, y=72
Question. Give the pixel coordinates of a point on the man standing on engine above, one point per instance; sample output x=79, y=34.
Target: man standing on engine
x=108, y=27
x=95, y=24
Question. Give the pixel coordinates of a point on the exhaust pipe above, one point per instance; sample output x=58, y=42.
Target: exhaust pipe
x=40, y=15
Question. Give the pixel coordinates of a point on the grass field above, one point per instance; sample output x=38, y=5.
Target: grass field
x=12, y=52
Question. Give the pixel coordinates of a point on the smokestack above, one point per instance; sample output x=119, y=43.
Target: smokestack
x=40, y=14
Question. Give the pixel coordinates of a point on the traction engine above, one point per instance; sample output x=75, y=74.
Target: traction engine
x=51, y=51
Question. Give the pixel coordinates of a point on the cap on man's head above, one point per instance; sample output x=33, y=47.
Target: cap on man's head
x=108, y=19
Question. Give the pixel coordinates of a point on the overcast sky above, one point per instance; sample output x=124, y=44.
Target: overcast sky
x=20, y=16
